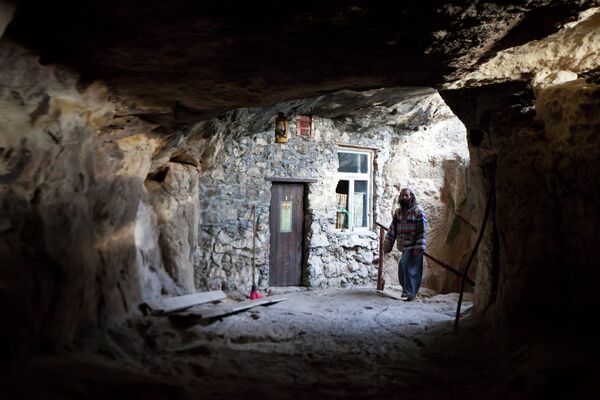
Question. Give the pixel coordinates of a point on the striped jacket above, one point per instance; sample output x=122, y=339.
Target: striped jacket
x=408, y=230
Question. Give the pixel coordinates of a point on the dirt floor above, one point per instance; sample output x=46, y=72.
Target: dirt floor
x=352, y=343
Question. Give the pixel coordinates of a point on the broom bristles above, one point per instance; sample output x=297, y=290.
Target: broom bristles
x=256, y=296
x=254, y=293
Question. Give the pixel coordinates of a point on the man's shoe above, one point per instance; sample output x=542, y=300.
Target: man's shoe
x=404, y=296
x=409, y=298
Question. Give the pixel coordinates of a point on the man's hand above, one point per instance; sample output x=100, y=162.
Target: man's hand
x=416, y=252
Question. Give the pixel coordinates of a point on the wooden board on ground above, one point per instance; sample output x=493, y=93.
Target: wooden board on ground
x=197, y=346
x=173, y=304
x=220, y=311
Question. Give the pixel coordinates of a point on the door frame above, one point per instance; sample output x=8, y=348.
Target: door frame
x=304, y=248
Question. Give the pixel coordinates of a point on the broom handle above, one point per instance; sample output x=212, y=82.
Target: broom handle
x=253, y=244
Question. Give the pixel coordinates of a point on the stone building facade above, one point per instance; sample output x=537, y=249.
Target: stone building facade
x=247, y=163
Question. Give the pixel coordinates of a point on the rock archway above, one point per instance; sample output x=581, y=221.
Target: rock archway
x=113, y=116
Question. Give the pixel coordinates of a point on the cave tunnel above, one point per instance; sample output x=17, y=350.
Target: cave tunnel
x=139, y=164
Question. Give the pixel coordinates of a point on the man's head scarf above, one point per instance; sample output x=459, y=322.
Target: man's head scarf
x=413, y=199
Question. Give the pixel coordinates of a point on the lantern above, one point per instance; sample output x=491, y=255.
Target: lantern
x=281, y=128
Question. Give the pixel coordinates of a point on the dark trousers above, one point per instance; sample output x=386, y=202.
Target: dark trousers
x=410, y=272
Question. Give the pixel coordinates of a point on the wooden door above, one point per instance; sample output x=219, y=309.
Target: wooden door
x=286, y=225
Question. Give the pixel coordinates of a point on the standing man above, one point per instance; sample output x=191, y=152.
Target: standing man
x=408, y=228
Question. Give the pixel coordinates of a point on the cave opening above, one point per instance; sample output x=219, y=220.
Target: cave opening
x=138, y=166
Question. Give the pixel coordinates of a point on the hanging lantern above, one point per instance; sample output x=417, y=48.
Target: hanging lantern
x=281, y=128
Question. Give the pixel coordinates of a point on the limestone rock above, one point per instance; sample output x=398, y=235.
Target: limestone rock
x=174, y=200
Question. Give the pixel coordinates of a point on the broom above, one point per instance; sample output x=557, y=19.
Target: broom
x=254, y=293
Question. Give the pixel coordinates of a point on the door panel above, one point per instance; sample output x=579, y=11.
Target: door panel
x=286, y=225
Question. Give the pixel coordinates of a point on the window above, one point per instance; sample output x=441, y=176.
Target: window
x=303, y=125
x=353, y=191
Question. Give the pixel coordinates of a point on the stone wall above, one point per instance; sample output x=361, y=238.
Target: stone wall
x=237, y=182
x=432, y=158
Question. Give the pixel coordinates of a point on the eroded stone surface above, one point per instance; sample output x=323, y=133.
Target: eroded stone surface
x=539, y=149
x=71, y=182
x=552, y=60
x=191, y=61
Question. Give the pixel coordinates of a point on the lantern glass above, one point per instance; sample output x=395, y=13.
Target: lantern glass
x=281, y=128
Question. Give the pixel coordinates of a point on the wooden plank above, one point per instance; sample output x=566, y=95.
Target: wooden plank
x=220, y=311
x=195, y=346
x=290, y=180
x=295, y=270
x=173, y=304
x=242, y=306
x=354, y=146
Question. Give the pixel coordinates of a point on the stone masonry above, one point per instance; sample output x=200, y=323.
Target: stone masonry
x=237, y=182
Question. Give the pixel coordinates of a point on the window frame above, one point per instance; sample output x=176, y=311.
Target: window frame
x=351, y=177
x=301, y=130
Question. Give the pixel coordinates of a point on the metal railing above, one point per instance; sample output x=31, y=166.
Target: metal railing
x=489, y=205
x=381, y=281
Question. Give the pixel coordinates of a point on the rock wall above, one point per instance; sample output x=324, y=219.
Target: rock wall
x=532, y=128
x=430, y=156
x=82, y=237
x=173, y=193
x=434, y=161
x=100, y=212
x=542, y=268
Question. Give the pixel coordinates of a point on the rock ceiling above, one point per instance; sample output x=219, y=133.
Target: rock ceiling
x=200, y=58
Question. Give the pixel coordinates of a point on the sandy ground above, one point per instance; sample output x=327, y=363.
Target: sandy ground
x=328, y=343
x=337, y=343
